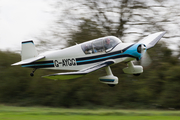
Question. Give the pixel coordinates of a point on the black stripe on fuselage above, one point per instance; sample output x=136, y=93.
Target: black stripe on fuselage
x=40, y=64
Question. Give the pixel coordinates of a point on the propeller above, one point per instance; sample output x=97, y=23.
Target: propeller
x=145, y=59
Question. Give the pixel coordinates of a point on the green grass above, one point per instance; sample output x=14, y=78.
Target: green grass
x=45, y=113
x=83, y=117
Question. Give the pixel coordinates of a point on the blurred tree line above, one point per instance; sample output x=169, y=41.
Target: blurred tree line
x=129, y=20
x=157, y=87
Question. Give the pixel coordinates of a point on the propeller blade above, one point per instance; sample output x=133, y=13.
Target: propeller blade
x=145, y=60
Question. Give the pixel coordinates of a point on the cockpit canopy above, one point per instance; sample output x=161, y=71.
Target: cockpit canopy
x=100, y=45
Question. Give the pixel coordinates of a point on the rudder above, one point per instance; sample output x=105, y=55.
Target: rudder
x=28, y=50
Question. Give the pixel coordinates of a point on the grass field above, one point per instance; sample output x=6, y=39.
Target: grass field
x=45, y=113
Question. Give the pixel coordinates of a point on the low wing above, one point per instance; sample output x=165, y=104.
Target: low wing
x=72, y=75
x=152, y=39
x=30, y=60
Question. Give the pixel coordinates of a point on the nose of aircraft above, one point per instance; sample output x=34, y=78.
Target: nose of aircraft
x=139, y=51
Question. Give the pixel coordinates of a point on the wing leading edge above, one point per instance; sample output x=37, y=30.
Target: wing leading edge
x=80, y=73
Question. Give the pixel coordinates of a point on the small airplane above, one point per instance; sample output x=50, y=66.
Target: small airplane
x=90, y=56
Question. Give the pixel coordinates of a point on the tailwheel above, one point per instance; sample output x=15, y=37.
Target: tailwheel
x=32, y=74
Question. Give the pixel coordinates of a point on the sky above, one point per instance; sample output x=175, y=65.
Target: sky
x=22, y=20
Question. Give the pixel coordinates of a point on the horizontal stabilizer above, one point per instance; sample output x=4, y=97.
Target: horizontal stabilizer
x=30, y=60
x=72, y=75
x=152, y=39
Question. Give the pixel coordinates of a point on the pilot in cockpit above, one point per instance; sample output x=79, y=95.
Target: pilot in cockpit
x=108, y=44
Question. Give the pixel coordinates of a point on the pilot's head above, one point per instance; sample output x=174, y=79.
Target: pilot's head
x=107, y=41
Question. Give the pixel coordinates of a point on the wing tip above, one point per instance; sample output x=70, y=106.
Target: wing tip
x=163, y=32
x=14, y=64
x=49, y=77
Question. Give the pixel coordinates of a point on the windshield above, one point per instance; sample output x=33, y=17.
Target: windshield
x=110, y=43
x=105, y=44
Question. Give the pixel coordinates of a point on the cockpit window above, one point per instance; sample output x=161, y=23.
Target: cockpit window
x=100, y=45
x=110, y=43
x=87, y=48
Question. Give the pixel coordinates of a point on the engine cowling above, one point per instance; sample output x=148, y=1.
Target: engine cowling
x=109, y=79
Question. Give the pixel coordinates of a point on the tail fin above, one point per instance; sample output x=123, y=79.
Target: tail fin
x=28, y=50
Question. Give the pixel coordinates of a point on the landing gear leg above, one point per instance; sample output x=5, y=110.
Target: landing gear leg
x=32, y=74
x=109, y=72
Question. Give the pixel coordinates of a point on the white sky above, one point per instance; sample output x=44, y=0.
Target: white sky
x=22, y=20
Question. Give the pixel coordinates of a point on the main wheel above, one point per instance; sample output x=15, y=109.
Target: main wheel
x=111, y=85
x=137, y=74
